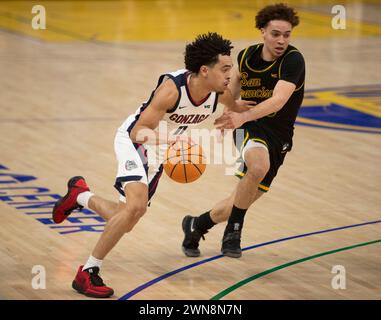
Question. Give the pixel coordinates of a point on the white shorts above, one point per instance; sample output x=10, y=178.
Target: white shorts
x=133, y=165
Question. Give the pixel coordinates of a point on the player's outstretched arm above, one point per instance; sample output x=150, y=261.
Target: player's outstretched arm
x=282, y=92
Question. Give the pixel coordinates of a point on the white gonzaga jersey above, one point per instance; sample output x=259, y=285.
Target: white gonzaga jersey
x=143, y=162
x=185, y=113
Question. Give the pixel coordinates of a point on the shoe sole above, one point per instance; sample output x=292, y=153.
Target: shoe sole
x=190, y=254
x=231, y=254
x=70, y=183
x=79, y=290
x=185, y=250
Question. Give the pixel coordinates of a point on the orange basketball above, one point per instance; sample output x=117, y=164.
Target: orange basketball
x=184, y=162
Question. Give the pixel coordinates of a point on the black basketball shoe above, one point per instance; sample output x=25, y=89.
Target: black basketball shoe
x=192, y=237
x=231, y=242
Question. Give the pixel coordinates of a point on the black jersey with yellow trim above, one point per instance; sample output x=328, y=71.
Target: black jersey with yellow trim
x=258, y=80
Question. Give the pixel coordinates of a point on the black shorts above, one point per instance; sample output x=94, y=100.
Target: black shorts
x=277, y=150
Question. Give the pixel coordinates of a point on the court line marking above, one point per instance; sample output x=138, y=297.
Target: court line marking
x=239, y=284
x=171, y=273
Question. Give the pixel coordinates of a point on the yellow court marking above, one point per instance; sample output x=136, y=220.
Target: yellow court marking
x=318, y=25
x=369, y=106
x=121, y=21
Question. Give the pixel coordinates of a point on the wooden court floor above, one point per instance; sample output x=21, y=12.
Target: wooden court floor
x=66, y=91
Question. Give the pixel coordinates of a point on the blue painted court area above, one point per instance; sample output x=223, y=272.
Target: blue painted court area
x=355, y=108
x=335, y=113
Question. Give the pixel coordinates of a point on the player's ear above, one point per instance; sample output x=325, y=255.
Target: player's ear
x=204, y=71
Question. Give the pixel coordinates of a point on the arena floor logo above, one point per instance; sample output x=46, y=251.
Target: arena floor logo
x=21, y=191
x=356, y=108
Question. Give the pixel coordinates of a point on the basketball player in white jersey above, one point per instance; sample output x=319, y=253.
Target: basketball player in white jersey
x=183, y=99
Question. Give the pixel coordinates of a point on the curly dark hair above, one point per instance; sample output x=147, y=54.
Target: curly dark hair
x=204, y=51
x=278, y=11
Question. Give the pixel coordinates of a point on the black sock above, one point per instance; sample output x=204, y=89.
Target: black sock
x=236, y=218
x=204, y=222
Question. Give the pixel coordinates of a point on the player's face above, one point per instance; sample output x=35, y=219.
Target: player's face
x=219, y=75
x=276, y=37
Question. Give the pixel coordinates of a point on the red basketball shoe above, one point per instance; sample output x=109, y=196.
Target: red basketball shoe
x=89, y=283
x=68, y=203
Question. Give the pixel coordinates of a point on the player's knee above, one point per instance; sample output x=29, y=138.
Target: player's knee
x=131, y=215
x=257, y=172
x=138, y=209
x=123, y=220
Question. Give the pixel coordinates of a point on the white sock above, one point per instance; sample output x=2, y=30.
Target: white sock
x=83, y=198
x=92, y=262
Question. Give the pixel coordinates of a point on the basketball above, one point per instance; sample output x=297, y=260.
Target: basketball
x=184, y=162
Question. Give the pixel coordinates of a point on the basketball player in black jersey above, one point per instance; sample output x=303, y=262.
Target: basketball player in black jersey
x=272, y=75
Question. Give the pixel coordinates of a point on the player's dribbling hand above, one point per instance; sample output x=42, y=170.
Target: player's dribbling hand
x=230, y=120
